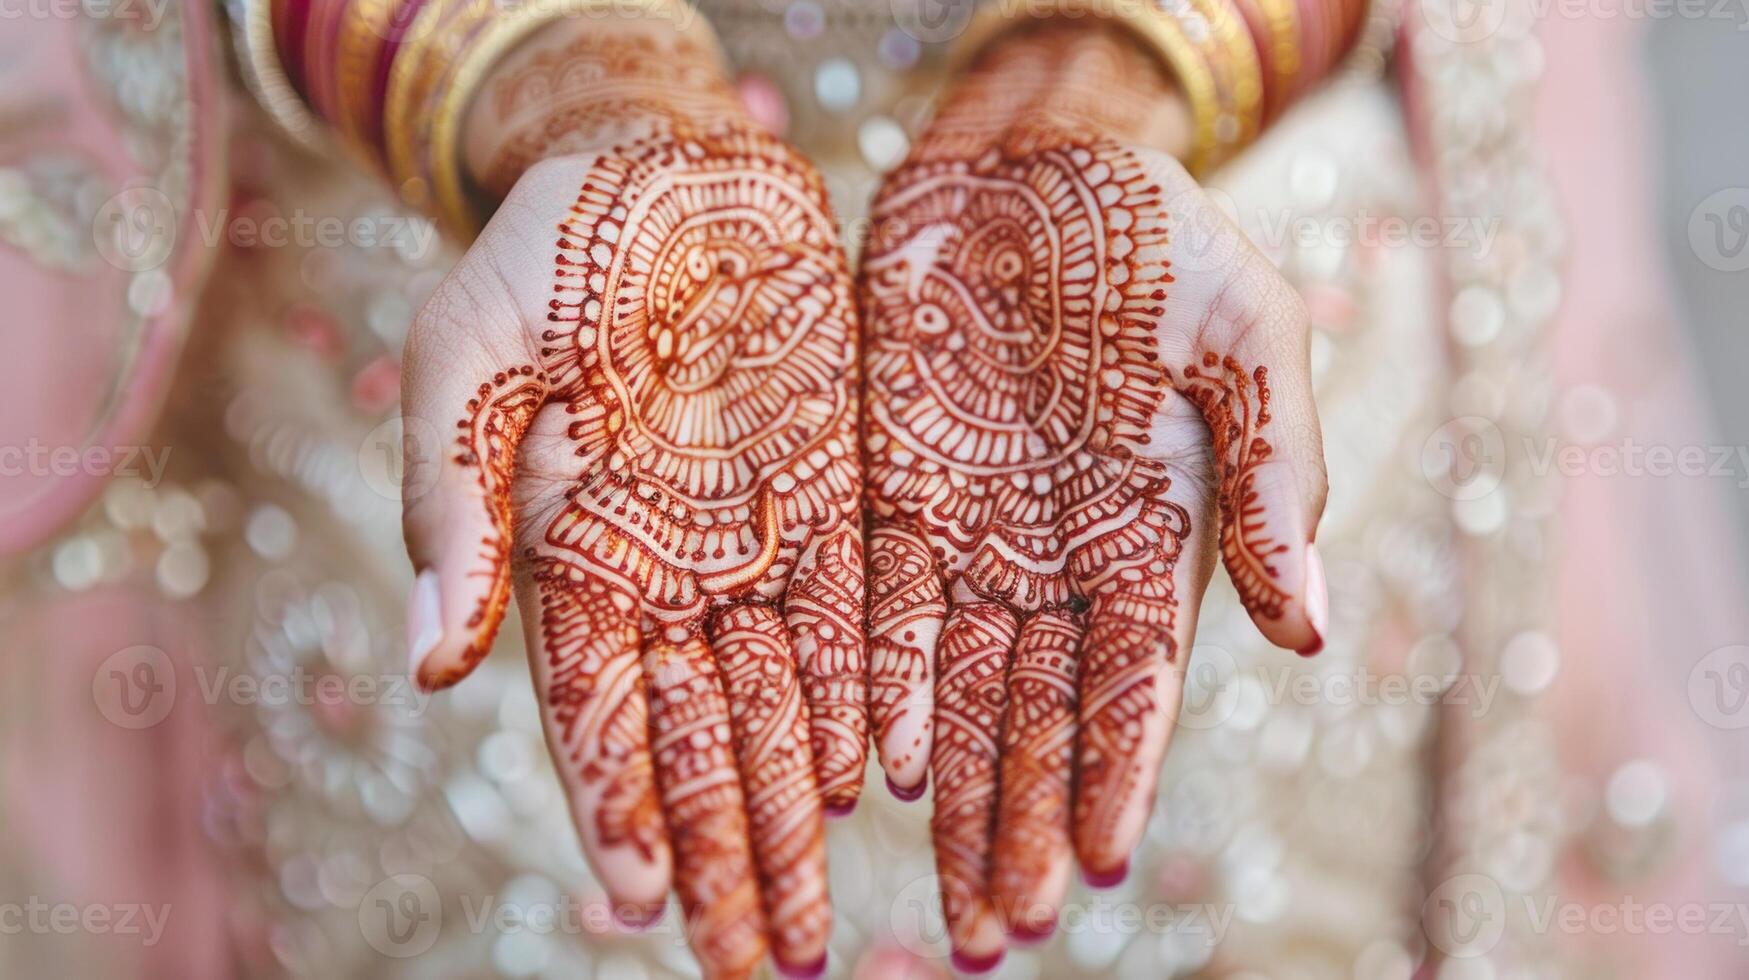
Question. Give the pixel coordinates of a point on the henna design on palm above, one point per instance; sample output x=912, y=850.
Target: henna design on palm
x=1044, y=424
x=1013, y=379
x=677, y=472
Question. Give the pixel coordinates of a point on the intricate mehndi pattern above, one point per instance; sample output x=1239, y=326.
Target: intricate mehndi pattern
x=1236, y=405
x=486, y=439
x=973, y=674
x=700, y=577
x=1011, y=365
x=1013, y=380
x=1038, y=740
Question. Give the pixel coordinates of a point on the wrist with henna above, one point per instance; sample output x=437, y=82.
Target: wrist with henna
x=1080, y=81
x=591, y=86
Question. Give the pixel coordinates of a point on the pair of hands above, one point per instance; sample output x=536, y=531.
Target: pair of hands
x=1072, y=383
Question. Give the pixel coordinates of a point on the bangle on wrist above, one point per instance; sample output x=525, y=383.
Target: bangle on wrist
x=1276, y=26
x=253, y=30
x=1203, y=44
x=394, y=78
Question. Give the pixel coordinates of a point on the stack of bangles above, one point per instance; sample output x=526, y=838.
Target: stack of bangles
x=393, y=79
x=1239, y=63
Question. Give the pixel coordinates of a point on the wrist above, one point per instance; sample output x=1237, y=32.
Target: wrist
x=586, y=85
x=1084, y=77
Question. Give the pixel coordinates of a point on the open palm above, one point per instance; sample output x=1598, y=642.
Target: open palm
x=646, y=365
x=1057, y=409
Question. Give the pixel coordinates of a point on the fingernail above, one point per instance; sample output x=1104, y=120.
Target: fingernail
x=810, y=971
x=424, y=620
x=838, y=811
x=1110, y=878
x=976, y=965
x=638, y=919
x=1317, y=601
x=1031, y=934
x=907, y=794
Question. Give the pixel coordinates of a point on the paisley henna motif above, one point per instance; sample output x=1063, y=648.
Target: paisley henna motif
x=498, y=414
x=700, y=336
x=1236, y=404
x=1012, y=368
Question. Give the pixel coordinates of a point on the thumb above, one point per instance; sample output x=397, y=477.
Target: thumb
x=473, y=389
x=1248, y=371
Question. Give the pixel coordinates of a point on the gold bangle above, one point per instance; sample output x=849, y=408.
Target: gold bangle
x=264, y=76
x=1202, y=43
x=363, y=34
x=481, y=54
x=1238, y=76
x=412, y=80
x=1281, y=39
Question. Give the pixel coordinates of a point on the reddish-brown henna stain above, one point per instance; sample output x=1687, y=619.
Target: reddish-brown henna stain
x=972, y=678
x=1236, y=405
x=1012, y=381
x=905, y=611
x=597, y=696
x=498, y=414
x=701, y=336
x=700, y=340
x=1014, y=284
x=822, y=607
x=1038, y=740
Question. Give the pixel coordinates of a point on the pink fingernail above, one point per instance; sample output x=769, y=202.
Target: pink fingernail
x=638, y=919
x=1030, y=934
x=975, y=965
x=810, y=971
x=1110, y=878
x=907, y=794
x=424, y=620
x=1317, y=601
